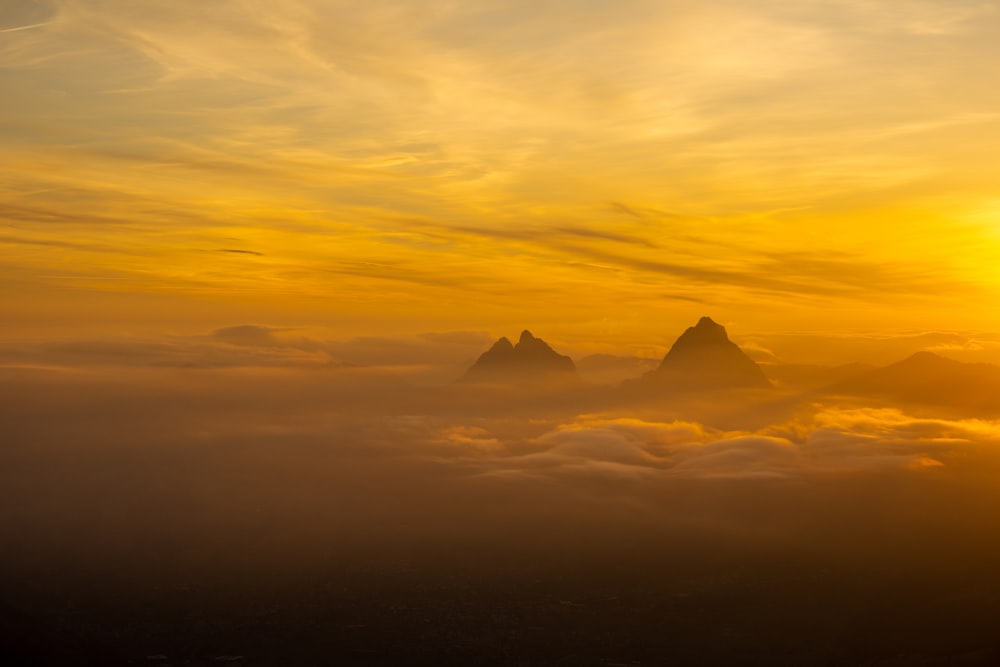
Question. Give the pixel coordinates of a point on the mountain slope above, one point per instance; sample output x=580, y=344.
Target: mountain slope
x=703, y=358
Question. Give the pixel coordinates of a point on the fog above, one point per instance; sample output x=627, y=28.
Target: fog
x=125, y=481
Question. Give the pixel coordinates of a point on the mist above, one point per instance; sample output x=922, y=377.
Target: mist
x=158, y=488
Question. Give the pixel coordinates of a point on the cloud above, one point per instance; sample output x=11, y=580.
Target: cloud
x=893, y=425
x=249, y=334
x=213, y=459
x=743, y=456
x=231, y=347
x=464, y=439
x=879, y=348
x=832, y=441
x=432, y=357
x=465, y=338
x=283, y=115
x=920, y=18
x=24, y=27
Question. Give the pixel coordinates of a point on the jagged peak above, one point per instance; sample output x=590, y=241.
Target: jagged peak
x=530, y=355
x=502, y=343
x=706, y=331
x=530, y=345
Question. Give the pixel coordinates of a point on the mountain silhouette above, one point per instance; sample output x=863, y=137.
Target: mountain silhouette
x=704, y=358
x=530, y=358
x=926, y=377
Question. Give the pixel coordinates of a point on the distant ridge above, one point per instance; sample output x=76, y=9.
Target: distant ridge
x=703, y=358
x=530, y=358
x=926, y=377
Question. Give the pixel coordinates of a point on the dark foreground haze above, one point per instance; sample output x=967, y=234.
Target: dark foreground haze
x=184, y=516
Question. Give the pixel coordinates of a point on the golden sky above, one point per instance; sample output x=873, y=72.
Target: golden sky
x=594, y=170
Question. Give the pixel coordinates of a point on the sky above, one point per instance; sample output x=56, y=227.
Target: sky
x=599, y=172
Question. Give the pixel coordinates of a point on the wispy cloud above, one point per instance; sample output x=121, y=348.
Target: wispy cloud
x=23, y=27
x=758, y=156
x=238, y=251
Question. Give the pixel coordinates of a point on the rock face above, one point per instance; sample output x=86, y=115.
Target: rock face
x=531, y=358
x=704, y=358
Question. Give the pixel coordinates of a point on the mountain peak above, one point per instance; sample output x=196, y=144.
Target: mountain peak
x=926, y=357
x=531, y=357
x=707, y=331
x=703, y=357
x=502, y=344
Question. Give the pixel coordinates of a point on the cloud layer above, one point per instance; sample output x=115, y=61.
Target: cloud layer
x=171, y=466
